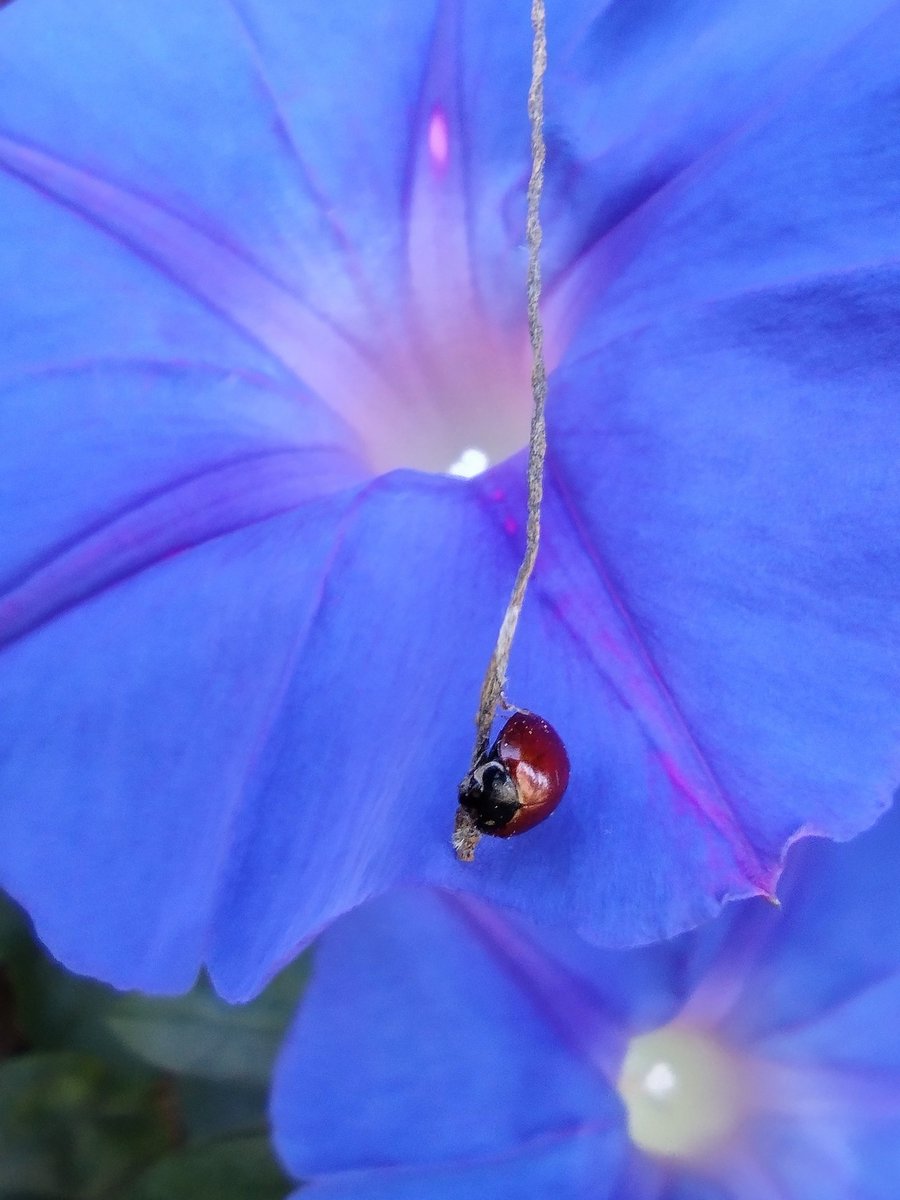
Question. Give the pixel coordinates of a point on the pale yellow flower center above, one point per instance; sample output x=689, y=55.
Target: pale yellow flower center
x=682, y=1091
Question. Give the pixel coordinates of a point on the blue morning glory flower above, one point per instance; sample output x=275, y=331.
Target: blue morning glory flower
x=443, y=1051
x=261, y=300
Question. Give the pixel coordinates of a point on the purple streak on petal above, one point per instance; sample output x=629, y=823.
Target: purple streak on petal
x=573, y=1164
x=625, y=658
x=353, y=171
x=607, y=263
x=136, y=93
x=566, y=1002
x=329, y=210
x=309, y=345
x=757, y=561
x=813, y=1093
x=797, y=134
x=135, y=429
x=749, y=1177
x=168, y=685
x=844, y=1041
x=442, y=1030
x=157, y=526
x=292, y=391
x=725, y=979
x=837, y=937
x=601, y=624
x=627, y=865
x=418, y=564
x=178, y=584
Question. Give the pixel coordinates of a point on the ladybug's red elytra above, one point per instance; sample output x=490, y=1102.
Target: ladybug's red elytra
x=520, y=780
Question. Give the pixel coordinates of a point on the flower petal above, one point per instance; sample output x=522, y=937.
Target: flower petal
x=738, y=515
x=834, y=954
x=449, y=1022
x=739, y=155
x=207, y=616
x=184, y=107
x=178, y=641
x=569, y=1167
x=146, y=623
x=355, y=787
x=816, y=1082
x=711, y=623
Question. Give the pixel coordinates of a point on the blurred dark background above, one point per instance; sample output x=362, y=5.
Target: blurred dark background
x=127, y=1097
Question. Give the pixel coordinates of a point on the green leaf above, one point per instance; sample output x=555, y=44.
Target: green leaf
x=69, y=1126
x=239, y=1168
x=98, y=1087
x=209, y=1109
x=198, y=1034
x=13, y=929
x=59, y=1011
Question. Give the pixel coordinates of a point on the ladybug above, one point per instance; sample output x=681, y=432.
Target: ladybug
x=519, y=781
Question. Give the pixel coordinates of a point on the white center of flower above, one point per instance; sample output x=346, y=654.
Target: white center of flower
x=430, y=363
x=660, y=1080
x=470, y=463
x=682, y=1092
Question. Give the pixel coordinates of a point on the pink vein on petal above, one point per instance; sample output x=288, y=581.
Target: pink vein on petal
x=633, y=672
x=610, y=638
